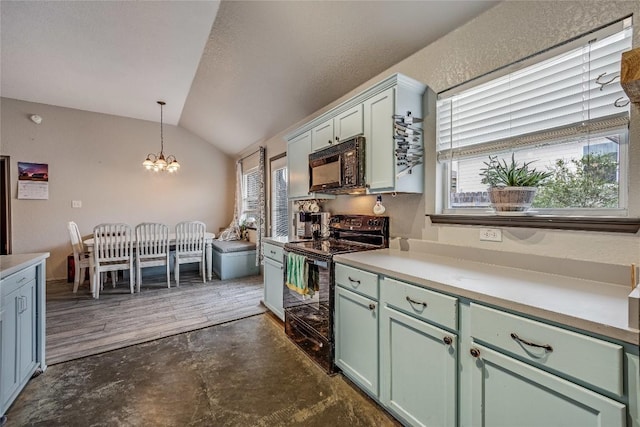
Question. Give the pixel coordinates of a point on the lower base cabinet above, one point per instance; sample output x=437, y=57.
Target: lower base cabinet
x=507, y=392
x=22, y=326
x=492, y=373
x=356, y=338
x=273, y=286
x=418, y=364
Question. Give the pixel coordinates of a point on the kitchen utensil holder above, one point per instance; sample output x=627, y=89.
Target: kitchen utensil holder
x=408, y=138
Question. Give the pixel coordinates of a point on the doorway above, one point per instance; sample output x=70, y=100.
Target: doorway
x=5, y=202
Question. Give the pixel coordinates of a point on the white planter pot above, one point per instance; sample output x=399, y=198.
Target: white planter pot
x=512, y=199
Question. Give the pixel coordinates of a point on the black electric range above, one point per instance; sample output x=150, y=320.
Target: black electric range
x=309, y=317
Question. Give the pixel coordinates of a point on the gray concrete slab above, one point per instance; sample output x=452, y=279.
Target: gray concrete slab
x=243, y=373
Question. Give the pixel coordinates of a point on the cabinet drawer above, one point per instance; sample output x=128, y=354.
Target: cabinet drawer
x=420, y=302
x=274, y=252
x=578, y=356
x=359, y=281
x=13, y=282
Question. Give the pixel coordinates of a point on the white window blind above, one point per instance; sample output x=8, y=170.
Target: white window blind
x=552, y=100
x=279, y=203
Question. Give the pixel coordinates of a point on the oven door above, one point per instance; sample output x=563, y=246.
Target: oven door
x=318, y=283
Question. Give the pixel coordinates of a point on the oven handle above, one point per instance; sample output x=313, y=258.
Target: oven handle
x=313, y=340
x=323, y=264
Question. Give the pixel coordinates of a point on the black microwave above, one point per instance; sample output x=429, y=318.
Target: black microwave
x=338, y=169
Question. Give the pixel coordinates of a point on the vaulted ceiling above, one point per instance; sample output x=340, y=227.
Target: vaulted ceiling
x=234, y=73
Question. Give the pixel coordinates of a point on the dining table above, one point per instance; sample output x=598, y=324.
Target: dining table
x=208, y=245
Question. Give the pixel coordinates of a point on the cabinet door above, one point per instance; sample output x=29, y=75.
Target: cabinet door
x=507, y=392
x=298, y=151
x=27, y=331
x=273, y=286
x=356, y=337
x=418, y=365
x=378, y=133
x=348, y=124
x=9, y=378
x=322, y=136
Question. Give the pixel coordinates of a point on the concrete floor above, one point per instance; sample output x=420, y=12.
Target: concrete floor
x=243, y=373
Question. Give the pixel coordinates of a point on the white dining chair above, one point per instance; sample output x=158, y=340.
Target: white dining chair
x=80, y=255
x=152, y=249
x=189, y=247
x=112, y=251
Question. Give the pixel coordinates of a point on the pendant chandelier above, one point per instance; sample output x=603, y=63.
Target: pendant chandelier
x=157, y=162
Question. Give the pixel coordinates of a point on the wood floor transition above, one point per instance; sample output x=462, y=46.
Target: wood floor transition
x=79, y=326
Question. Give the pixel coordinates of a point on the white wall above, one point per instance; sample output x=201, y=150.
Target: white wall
x=506, y=33
x=97, y=158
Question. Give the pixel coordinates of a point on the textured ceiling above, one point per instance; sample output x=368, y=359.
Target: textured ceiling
x=265, y=64
x=113, y=57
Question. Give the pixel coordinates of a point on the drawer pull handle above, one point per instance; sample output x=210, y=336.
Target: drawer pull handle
x=272, y=252
x=447, y=340
x=412, y=301
x=354, y=280
x=372, y=306
x=475, y=352
x=545, y=346
x=22, y=280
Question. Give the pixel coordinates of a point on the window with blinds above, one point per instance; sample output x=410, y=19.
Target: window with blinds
x=250, y=196
x=563, y=109
x=279, y=203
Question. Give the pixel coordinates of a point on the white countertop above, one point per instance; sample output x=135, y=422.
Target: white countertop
x=10, y=264
x=278, y=241
x=596, y=307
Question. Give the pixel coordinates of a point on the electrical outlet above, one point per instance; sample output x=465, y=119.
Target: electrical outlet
x=76, y=203
x=491, y=234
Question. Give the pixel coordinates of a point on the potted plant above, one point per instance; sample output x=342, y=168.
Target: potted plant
x=512, y=186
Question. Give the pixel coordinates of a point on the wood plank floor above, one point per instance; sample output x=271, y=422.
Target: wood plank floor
x=79, y=326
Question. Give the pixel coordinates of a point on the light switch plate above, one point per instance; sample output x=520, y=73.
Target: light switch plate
x=491, y=234
x=76, y=203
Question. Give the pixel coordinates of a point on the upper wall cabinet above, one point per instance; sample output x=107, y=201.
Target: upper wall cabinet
x=340, y=128
x=386, y=167
x=298, y=150
x=372, y=113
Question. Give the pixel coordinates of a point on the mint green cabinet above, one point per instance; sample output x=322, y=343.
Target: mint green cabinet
x=337, y=129
x=18, y=357
x=273, y=286
x=356, y=338
x=418, y=363
x=22, y=324
x=381, y=169
x=507, y=392
x=9, y=379
x=298, y=150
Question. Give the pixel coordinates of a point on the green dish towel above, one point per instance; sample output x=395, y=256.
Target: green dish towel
x=297, y=273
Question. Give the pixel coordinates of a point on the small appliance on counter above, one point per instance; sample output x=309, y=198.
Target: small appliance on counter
x=303, y=225
x=320, y=225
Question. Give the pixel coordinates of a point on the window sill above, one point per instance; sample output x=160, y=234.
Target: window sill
x=580, y=223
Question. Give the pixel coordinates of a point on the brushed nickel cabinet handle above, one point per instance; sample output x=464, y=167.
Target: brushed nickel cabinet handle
x=353, y=280
x=412, y=301
x=547, y=347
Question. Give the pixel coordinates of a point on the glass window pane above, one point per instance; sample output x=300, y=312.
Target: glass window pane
x=279, y=203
